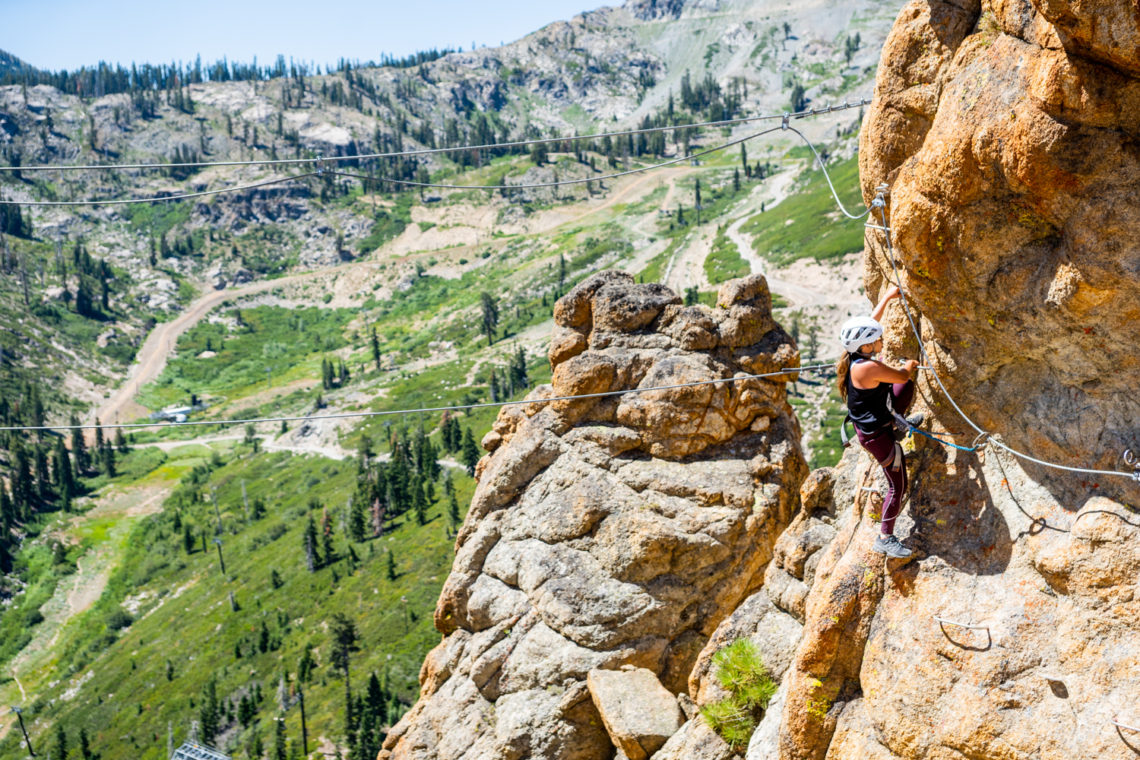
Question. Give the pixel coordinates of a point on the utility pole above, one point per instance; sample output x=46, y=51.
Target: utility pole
x=221, y=560
x=20, y=717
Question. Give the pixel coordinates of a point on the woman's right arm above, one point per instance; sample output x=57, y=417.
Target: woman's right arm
x=873, y=371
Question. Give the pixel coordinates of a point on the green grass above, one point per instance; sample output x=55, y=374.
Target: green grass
x=724, y=261
x=38, y=564
x=807, y=224
x=290, y=342
x=387, y=224
x=185, y=617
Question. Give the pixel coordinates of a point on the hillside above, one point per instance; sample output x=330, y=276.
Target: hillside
x=329, y=295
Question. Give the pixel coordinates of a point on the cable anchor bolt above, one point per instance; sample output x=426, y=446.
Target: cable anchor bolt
x=1132, y=461
x=784, y=123
x=320, y=163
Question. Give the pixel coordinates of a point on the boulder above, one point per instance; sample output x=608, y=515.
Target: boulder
x=638, y=712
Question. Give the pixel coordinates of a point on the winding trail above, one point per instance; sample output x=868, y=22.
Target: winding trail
x=160, y=342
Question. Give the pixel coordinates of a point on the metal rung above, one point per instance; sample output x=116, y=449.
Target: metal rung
x=877, y=227
x=1118, y=724
x=972, y=627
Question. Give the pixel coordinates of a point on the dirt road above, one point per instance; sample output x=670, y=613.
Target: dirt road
x=159, y=344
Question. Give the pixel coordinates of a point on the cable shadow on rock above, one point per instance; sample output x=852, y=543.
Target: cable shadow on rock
x=1132, y=743
x=958, y=636
x=955, y=517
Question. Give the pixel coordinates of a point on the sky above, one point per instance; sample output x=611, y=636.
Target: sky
x=67, y=34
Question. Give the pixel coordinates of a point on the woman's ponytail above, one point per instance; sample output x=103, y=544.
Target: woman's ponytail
x=841, y=370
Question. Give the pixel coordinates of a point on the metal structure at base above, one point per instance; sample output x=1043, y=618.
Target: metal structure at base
x=195, y=751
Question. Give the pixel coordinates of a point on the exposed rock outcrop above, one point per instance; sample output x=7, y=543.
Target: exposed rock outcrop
x=1006, y=133
x=614, y=531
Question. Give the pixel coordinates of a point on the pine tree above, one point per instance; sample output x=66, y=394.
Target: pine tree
x=7, y=512
x=79, y=448
x=23, y=486
x=357, y=522
x=305, y=665
x=452, y=513
x=108, y=459
x=64, y=478
x=84, y=745
x=342, y=632
x=43, y=474
x=263, y=638
x=309, y=544
x=490, y=315
x=419, y=502
x=279, y=740
x=209, y=714
x=98, y=440
x=60, y=742
x=391, y=566
x=470, y=452
x=375, y=345
x=187, y=538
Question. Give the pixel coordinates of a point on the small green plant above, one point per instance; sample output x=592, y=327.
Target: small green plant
x=741, y=672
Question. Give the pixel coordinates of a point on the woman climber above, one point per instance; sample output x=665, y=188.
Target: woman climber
x=877, y=396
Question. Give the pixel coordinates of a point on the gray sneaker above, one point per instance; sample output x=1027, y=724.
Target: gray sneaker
x=890, y=546
x=913, y=421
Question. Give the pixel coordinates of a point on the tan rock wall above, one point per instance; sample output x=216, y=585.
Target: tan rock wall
x=610, y=532
x=1007, y=134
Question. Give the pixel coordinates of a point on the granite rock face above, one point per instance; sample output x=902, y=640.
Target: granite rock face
x=614, y=531
x=1006, y=134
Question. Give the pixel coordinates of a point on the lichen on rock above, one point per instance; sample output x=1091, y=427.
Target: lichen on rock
x=610, y=532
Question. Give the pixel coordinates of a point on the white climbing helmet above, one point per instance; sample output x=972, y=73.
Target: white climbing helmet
x=859, y=331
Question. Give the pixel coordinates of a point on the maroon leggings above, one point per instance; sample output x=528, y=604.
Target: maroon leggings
x=889, y=455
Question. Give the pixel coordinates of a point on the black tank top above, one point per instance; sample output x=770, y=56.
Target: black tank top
x=868, y=408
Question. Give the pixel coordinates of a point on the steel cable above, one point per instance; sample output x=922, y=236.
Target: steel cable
x=431, y=151
x=456, y=408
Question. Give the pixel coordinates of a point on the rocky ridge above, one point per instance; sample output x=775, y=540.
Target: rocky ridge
x=611, y=533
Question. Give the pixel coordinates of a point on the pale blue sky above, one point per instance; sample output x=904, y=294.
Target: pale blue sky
x=59, y=34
